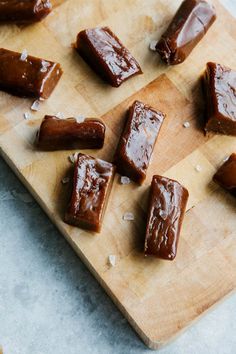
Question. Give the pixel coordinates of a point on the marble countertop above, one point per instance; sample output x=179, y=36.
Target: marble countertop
x=51, y=304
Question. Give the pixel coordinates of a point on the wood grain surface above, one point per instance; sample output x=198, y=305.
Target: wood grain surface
x=159, y=298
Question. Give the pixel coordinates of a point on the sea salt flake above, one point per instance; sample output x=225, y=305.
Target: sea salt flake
x=47, y=5
x=24, y=197
x=112, y=260
x=163, y=214
x=80, y=118
x=186, y=125
x=45, y=65
x=226, y=158
x=124, y=180
x=24, y=55
x=65, y=180
x=198, y=168
x=128, y=216
x=60, y=115
x=35, y=105
x=27, y=115
x=152, y=45
x=73, y=157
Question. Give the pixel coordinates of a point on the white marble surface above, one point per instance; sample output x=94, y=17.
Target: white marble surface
x=51, y=304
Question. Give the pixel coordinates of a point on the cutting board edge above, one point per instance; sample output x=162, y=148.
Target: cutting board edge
x=155, y=345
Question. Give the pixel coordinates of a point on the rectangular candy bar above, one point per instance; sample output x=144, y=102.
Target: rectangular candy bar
x=138, y=140
x=91, y=188
x=24, y=12
x=189, y=25
x=27, y=76
x=62, y=134
x=219, y=86
x=167, y=204
x=106, y=55
x=226, y=175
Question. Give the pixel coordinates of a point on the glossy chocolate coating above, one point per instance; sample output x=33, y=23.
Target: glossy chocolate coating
x=219, y=86
x=29, y=77
x=226, y=175
x=137, y=141
x=189, y=25
x=106, y=55
x=62, y=134
x=167, y=204
x=91, y=188
x=23, y=12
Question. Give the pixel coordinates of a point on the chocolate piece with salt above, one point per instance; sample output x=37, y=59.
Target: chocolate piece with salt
x=137, y=141
x=92, y=184
x=27, y=76
x=226, y=175
x=167, y=204
x=189, y=25
x=219, y=86
x=24, y=12
x=106, y=55
x=62, y=134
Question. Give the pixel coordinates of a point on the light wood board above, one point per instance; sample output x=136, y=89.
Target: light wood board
x=159, y=298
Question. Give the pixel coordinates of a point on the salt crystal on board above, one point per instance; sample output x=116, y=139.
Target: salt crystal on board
x=60, y=115
x=27, y=115
x=24, y=55
x=35, y=105
x=152, y=45
x=124, y=180
x=226, y=158
x=112, y=260
x=128, y=216
x=198, y=168
x=65, y=180
x=186, y=125
x=72, y=158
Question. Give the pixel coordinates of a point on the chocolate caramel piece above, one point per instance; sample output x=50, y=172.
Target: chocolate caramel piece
x=226, y=175
x=189, y=25
x=219, y=86
x=27, y=76
x=62, y=134
x=137, y=141
x=24, y=12
x=167, y=204
x=91, y=188
x=106, y=55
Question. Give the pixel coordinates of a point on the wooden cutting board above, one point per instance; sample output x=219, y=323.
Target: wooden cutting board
x=159, y=298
